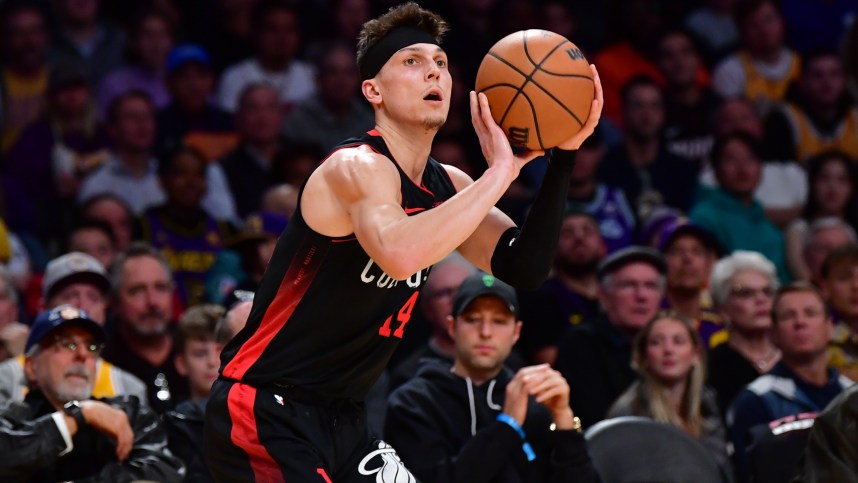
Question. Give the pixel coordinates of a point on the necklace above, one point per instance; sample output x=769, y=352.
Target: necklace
x=764, y=362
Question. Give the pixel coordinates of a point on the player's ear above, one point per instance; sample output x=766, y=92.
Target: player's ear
x=370, y=91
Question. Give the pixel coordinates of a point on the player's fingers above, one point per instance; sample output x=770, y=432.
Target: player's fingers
x=486, y=111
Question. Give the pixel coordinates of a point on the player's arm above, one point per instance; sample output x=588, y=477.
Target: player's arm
x=366, y=187
x=522, y=257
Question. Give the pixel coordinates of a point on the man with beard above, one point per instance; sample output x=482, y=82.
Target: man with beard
x=569, y=296
x=141, y=340
x=59, y=434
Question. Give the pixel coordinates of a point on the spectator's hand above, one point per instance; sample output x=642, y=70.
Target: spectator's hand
x=515, y=403
x=551, y=390
x=111, y=422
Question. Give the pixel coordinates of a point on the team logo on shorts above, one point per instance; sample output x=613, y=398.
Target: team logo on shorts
x=389, y=470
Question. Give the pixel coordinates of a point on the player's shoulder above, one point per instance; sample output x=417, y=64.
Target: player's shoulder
x=357, y=160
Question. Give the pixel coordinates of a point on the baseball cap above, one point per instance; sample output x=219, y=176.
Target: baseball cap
x=74, y=264
x=632, y=254
x=480, y=284
x=674, y=229
x=655, y=222
x=60, y=316
x=185, y=54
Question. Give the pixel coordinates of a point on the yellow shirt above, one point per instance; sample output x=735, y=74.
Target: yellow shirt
x=809, y=141
x=24, y=102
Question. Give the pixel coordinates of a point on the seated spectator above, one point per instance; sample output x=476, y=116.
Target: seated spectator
x=641, y=166
x=569, y=296
x=113, y=211
x=80, y=37
x=689, y=252
x=840, y=286
x=44, y=168
x=742, y=285
x=730, y=211
x=248, y=167
x=95, y=238
x=607, y=204
x=188, y=237
x=129, y=172
x=801, y=382
x=824, y=236
x=336, y=111
x=595, y=357
x=821, y=117
x=79, y=280
x=783, y=185
x=191, y=118
x=688, y=105
x=275, y=26
x=151, y=39
x=184, y=425
x=833, y=192
x=832, y=446
x=714, y=27
x=764, y=66
x=436, y=304
x=197, y=353
x=457, y=438
x=669, y=357
x=242, y=263
x=141, y=336
x=281, y=199
x=24, y=74
x=60, y=433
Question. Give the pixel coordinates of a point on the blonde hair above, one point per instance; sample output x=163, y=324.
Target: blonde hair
x=657, y=405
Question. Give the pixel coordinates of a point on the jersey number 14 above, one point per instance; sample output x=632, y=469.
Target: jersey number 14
x=403, y=317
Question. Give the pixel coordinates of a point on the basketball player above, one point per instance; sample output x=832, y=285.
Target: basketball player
x=343, y=282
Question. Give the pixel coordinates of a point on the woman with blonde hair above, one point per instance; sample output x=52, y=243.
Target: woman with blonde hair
x=671, y=361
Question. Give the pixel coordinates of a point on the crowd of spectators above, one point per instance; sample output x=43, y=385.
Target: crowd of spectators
x=706, y=276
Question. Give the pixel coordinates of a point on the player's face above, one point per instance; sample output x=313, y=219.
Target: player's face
x=841, y=289
x=415, y=86
x=803, y=328
x=688, y=264
x=484, y=335
x=144, y=299
x=84, y=296
x=670, y=351
x=199, y=362
x=749, y=303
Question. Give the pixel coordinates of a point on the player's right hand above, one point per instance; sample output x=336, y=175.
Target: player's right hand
x=493, y=142
x=111, y=422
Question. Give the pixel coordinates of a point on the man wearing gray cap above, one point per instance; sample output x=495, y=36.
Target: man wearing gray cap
x=59, y=433
x=79, y=280
x=595, y=357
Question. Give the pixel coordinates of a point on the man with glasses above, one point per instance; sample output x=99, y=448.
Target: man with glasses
x=58, y=433
x=801, y=382
x=595, y=357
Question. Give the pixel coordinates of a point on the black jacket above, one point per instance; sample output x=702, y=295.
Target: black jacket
x=31, y=442
x=445, y=430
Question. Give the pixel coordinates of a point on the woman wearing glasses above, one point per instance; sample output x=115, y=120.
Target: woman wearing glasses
x=742, y=286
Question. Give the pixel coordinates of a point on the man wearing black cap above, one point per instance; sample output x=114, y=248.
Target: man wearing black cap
x=595, y=357
x=344, y=278
x=689, y=252
x=58, y=433
x=474, y=421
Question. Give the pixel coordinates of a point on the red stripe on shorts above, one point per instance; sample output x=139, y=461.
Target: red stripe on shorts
x=244, y=435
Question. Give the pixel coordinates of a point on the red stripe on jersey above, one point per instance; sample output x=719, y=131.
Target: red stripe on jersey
x=294, y=285
x=240, y=403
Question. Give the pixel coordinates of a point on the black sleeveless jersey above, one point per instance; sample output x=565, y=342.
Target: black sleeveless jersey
x=326, y=318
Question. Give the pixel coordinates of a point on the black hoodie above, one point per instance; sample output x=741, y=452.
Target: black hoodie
x=445, y=429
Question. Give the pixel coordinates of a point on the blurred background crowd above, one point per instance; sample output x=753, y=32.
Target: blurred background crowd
x=151, y=151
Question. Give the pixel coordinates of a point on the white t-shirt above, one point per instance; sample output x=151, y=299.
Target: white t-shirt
x=295, y=84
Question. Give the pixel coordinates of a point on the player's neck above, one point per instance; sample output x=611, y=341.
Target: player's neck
x=410, y=147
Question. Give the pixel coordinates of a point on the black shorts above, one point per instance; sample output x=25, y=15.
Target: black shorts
x=256, y=434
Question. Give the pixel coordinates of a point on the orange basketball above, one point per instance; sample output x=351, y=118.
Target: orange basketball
x=539, y=87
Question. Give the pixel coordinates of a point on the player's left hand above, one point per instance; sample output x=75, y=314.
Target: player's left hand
x=589, y=126
x=493, y=141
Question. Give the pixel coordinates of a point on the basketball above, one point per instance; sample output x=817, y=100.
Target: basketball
x=539, y=87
